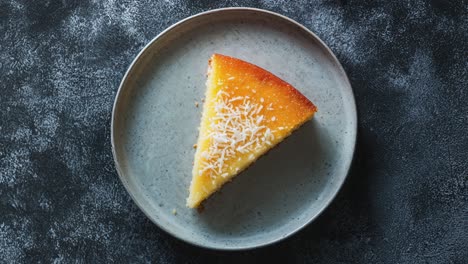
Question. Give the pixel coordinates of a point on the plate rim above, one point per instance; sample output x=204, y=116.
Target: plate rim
x=301, y=27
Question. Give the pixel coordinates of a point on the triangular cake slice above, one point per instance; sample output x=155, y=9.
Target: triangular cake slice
x=247, y=111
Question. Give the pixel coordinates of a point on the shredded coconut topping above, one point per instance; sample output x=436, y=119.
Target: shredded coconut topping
x=235, y=128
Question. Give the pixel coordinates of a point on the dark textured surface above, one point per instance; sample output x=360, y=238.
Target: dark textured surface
x=406, y=200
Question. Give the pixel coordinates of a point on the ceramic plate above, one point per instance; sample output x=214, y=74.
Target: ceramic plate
x=154, y=126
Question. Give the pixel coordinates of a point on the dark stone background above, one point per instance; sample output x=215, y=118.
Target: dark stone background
x=406, y=200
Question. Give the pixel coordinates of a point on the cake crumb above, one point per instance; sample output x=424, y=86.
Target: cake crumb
x=174, y=211
x=196, y=104
x=203, y=100
x=194, y=146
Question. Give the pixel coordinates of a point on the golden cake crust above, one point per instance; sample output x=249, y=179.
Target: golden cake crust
x=239, y=67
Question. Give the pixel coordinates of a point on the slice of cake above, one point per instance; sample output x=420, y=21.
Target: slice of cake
x=247, y=111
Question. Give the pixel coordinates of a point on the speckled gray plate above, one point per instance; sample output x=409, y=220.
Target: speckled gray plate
x=154, y=125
